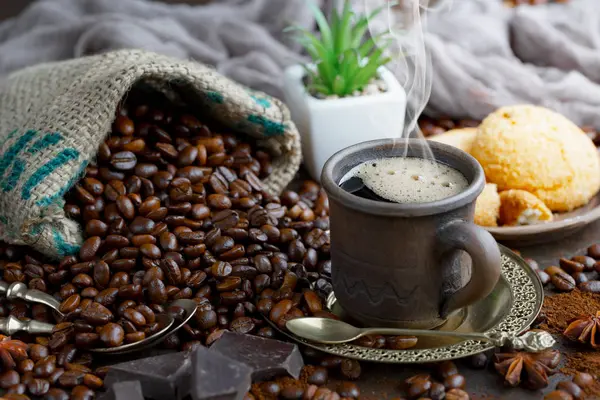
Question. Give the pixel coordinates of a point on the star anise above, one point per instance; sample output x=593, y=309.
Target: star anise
x=530, y=369
x=585, y=329
x=11, y=350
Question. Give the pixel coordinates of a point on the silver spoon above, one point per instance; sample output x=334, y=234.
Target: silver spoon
x=331, y=331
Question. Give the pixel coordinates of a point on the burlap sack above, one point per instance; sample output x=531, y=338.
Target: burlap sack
x=54, y=116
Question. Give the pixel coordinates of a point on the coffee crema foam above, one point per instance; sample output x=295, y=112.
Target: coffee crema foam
x=409, y=179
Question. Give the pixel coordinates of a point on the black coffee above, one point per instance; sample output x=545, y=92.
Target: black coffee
x=404, y=180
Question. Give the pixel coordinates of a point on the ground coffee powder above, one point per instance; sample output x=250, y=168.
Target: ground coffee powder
x=562, y=308
x=559, y=310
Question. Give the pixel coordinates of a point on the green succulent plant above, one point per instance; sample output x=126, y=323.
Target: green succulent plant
x=346, y=59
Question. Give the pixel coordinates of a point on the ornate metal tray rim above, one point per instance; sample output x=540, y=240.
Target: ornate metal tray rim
x=528, y=297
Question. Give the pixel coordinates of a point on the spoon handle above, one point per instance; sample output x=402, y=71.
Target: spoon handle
x=12, y=325
x=531, y=341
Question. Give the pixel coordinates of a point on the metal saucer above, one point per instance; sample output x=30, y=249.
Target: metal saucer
x=511, y=307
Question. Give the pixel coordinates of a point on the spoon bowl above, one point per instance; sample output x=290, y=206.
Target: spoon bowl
x=168, y=325
x=323, y=330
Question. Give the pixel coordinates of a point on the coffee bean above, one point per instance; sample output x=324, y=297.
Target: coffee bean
x=455, y=381
x=292, y=392
x=221, y=269
x=86, y=340
x=70, y=304
x=544, y=277
x=587, y=262
x=124, y=125
x=418, y=385
x=350, y=369
x=56, y=394
x=457, y=394
x=37, y=352
x=9, y=378
x=401, y=342
x=157, y=291
x=135, y=317
x=317, y=376
x=594, y=251
x=571, y=266
x=348, y=390
x=17, y=389
x=590, y=286
x=107, y=296
x=280, y=309
x=579, y=277
x=89, y=248
x=191, y=238
x=112, y=335
x=81, y=392
x=82, y=281
x=572, y=388
x=123, y=160
x=172, y=271
x=563, y=281
x=96, y=227
x=93, y=381
x=583, y=379
x=478, y=361
x=141, y=225
x=101, y=274
x=25, y=366
x=38, y=387
x=97, y=314
x=437, y=391
x=554, y=270
x=219, y=201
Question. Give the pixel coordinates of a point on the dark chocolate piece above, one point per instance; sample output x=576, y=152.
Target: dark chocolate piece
x=162, y=377
x=217, y=377
x=126, y=390
x=268, y=358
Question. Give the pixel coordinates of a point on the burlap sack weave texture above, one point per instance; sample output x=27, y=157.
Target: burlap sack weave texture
x=54, y=116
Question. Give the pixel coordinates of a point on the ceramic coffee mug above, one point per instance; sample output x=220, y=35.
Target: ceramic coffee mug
x=408, y=265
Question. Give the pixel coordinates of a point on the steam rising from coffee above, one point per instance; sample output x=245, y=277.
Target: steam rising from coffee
x=405, y=24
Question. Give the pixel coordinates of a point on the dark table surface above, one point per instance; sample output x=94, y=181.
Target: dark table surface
x=380, y=381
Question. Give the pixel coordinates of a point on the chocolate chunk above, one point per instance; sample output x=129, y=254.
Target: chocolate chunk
x=215, y=376
x=126, y=390
x=268, y=358
x=162, y=377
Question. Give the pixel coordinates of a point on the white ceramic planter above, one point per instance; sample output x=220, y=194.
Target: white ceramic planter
x=329, y=125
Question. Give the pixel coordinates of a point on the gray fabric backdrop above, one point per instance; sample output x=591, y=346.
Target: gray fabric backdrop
x=484, y=55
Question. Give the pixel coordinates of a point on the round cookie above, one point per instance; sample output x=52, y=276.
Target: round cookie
x=518, y=207
x=487, y=206
x=540, y=151
x=460, y=138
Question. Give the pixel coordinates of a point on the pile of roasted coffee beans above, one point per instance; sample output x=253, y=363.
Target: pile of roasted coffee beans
x=582, y=272
x=172, y=209
x=447, y=383
x=33, y=369
x=450, y=384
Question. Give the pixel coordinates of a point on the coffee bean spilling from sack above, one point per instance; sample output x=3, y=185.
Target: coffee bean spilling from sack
x=171, y=210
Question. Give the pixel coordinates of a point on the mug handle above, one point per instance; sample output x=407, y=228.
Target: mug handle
x=486, y=262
